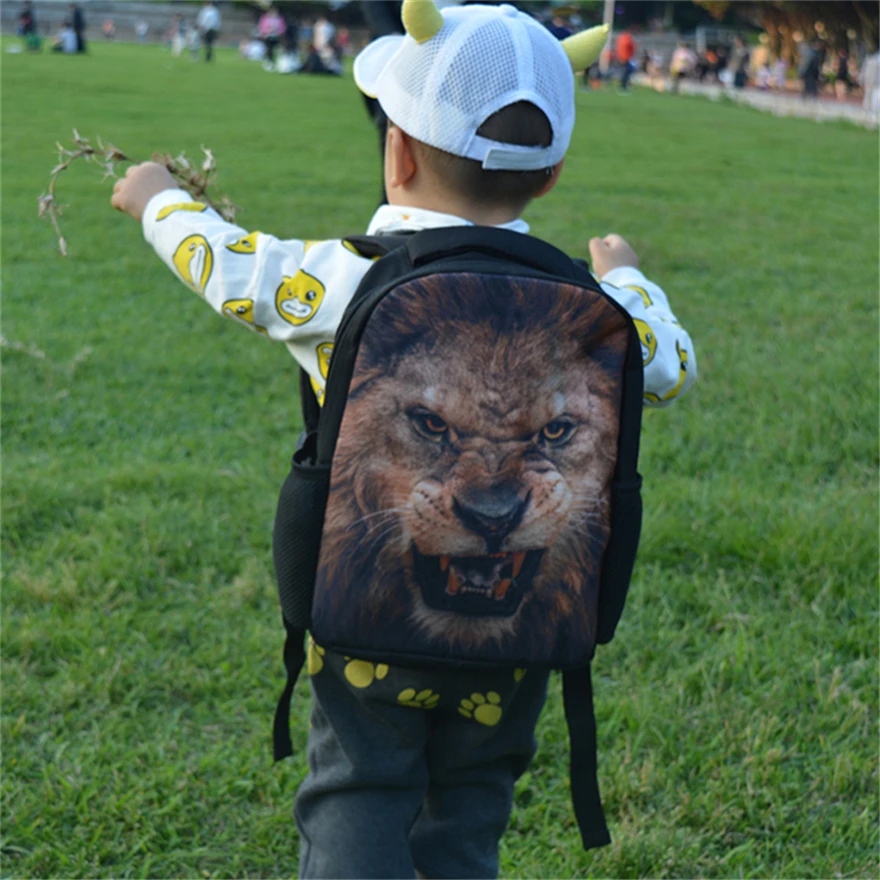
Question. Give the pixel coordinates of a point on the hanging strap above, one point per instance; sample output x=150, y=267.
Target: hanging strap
x=311, y=409
x=294, y=657
x=577, y=694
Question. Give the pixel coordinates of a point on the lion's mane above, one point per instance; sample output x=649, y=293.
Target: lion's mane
x=497, y=353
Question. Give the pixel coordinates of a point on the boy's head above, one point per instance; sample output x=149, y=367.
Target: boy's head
x=481, y=98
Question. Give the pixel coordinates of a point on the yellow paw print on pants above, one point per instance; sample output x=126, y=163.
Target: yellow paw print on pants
x=425, y=699
x=485, y=709
x=362, y=673
x=316, y=657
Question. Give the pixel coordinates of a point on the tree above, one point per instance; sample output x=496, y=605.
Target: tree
x=834, y=22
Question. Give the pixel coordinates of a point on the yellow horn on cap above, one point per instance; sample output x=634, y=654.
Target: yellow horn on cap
x=421, y=19
x=584, y=48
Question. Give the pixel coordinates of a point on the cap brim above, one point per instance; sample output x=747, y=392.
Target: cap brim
x=372, y=60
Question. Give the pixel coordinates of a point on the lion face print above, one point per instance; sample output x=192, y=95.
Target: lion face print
x=472, y=468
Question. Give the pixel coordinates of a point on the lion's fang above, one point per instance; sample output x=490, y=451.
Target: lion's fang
x=518, y=558
x=453, y=584
x=444, y=563
x=502, y=588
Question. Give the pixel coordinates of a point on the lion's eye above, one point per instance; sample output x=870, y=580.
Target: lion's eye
x=428, y=424
x=557, y=432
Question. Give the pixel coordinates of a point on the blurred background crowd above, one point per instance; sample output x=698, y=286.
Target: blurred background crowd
x=820, y=50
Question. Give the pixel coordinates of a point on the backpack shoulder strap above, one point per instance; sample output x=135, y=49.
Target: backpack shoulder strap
x=373, y=246
x=294, y=658
x=368, y=246
x=577, y=695
x=311, y=409
x=438, y=244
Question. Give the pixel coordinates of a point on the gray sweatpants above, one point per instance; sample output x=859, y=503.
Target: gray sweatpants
x=412, y=770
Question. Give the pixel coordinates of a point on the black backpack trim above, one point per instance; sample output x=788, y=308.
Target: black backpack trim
x=304, y=494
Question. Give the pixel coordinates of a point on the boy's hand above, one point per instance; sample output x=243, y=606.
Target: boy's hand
x=611, y=252
x=141, y=182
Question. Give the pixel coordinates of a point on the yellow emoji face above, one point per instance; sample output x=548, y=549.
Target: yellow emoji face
x=648, y=340
x=247, y=244
x=242, y=310
x=682, y=375
x=641, y=292
x=198, y=207
x=194, y=261
x=324, y=350
x=299, y=297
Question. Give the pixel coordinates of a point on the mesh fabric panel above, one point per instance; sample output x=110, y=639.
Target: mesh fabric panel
x=442, y=90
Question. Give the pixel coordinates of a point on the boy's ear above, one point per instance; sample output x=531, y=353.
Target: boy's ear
x=551, y=180
x=401, y=164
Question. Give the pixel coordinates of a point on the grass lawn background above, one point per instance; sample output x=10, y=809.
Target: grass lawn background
x=145, y=439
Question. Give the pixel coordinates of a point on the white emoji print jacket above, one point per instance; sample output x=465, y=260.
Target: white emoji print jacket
x=296, y=291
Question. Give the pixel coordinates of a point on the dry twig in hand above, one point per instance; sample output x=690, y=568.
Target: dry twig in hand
x=196, y=180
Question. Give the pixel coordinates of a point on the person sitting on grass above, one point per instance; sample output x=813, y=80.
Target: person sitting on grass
x=377, y=801
x=65, y=40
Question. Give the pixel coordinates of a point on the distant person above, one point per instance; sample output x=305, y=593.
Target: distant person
x=271, y=29
x=624, y=52
x=78, y=22
x=870, y=78
x=209, y=23
x=291, y=36
x=739, y=63
x=65, y=40
x=252, y=50
x=177, y=35
x=780, y=74
x=324, y=62
x=343, y=42
x=27, y=23
x=193, y=40
x=723, y=54
x=27, y=28
x=305, y=32
x=681, y=65
x=843, y=83
x=763, y=77
x=812, y=60
x=141, y=29
x=322, y=36
x=108, y=29
x=559, y=28
x=706, y=65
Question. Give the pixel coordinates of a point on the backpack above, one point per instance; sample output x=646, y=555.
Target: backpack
x=468, y=494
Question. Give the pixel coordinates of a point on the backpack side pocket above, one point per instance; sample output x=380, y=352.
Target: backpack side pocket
x=620, y=555
x=296, y=539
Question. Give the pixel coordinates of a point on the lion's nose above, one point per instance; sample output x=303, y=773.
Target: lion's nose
x=491, y=513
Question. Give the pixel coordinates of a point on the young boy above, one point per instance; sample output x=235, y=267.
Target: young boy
x=413, y=771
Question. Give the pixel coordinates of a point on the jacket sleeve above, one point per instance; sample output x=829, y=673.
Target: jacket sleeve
x=268, y=285
x=667, y=351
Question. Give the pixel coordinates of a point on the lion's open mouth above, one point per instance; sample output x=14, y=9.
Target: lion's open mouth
x=493, y=584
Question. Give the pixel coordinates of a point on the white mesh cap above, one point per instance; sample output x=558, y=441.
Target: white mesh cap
x=484, y=58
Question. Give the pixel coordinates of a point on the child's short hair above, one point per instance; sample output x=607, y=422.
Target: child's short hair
x=520, y=123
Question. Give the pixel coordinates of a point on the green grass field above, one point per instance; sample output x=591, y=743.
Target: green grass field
x=145, y=439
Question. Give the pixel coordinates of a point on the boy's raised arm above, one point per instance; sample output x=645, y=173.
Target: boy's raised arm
x=253, y=278
x=667, y=352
